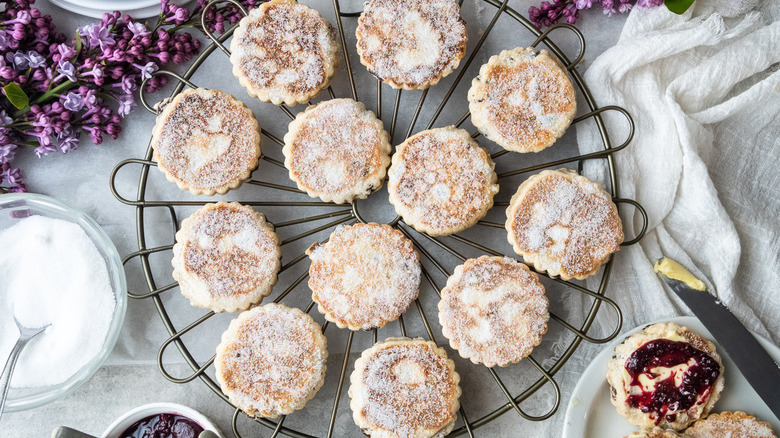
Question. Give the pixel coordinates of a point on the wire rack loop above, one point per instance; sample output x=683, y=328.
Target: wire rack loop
x=205, y=27
x=642, y=212
x=156, y=108
x=112, y=179
x=609, y=150
x=362, y=219
x=584, y=336
x=144, y=253
x=177, y=338
x=274, y=434
x=576, y=32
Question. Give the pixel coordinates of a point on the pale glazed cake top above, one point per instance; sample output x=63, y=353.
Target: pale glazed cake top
x=522, y=100
x=493, y=310
x=411, y=44
x=364, y=276
x=441, y=181
x=404, y=388
x=730, y=425
x=206, y=141
x=271, y=360
x=337, y=150
x=284, y=51
x=226, y=257
x=563, y=223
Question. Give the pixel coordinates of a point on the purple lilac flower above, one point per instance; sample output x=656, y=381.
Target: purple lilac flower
x=45, y=146
x=19, y=60
x=138, y=29
x=14, y=176
x=68, y=144
x=35, y=59
x=147, y=70
x=96, y=36
x=4, y=119
x=7, y=152
x=66, y=51
x=96, y=73
x=5, y=42
x=72, y=102
x=128, y=84
x=68, y=70
x=69, y=139
x=126, y=104
x=94, y=134
x=550, y=13
x=22, y=17
x=649, y=3
x=181, y=15
x=90, y=100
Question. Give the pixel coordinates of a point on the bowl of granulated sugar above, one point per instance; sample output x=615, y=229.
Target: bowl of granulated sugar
x=57, y=267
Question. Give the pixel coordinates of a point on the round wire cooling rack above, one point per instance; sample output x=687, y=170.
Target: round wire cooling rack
x=431, y=248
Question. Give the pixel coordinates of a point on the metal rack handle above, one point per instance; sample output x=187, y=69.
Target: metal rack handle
x=645, y=221
x=609, y=150
x=175, y=338
x=156, y=108
x=112, y=179
x=577, y=33
x=234, y=424
x=205, y=28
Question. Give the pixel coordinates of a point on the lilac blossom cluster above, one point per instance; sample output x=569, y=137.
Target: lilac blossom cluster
x=55, y=91
x=223, y=16
x=550, y=13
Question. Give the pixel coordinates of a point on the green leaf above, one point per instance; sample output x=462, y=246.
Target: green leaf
x=16, y=95
x=678, y=6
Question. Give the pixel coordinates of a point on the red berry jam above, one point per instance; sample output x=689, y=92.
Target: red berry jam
x=163, y=426
x=667, y=397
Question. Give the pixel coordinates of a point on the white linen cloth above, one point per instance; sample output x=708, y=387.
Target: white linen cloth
x=704, y=91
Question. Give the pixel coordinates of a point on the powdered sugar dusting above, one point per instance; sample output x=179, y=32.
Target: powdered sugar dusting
x=441, y=181
x=284, y=49
x=521, y=100
x=207, y=139
x=406, y=389
x=493, y=310
x=337, y=150
x=226, y=251
x=365, y=275
x=272, y=360
x=730, y=424
x=655, y=432
x=411, y=44
x=566, y=221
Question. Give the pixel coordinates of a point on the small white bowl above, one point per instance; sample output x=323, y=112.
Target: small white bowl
x=132, y=416
x=17, y=206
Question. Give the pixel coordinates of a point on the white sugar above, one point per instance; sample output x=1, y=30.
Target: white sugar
x=52, y=273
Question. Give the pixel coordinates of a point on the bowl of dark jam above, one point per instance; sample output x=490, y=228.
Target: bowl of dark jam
x=160, y=420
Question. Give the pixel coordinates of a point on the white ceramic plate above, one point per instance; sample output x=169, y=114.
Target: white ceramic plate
x=591, y=415
x=96, y=8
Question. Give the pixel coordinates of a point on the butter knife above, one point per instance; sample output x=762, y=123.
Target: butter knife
x=756, y=365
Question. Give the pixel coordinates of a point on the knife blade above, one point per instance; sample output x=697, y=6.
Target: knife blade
x=760, y=370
